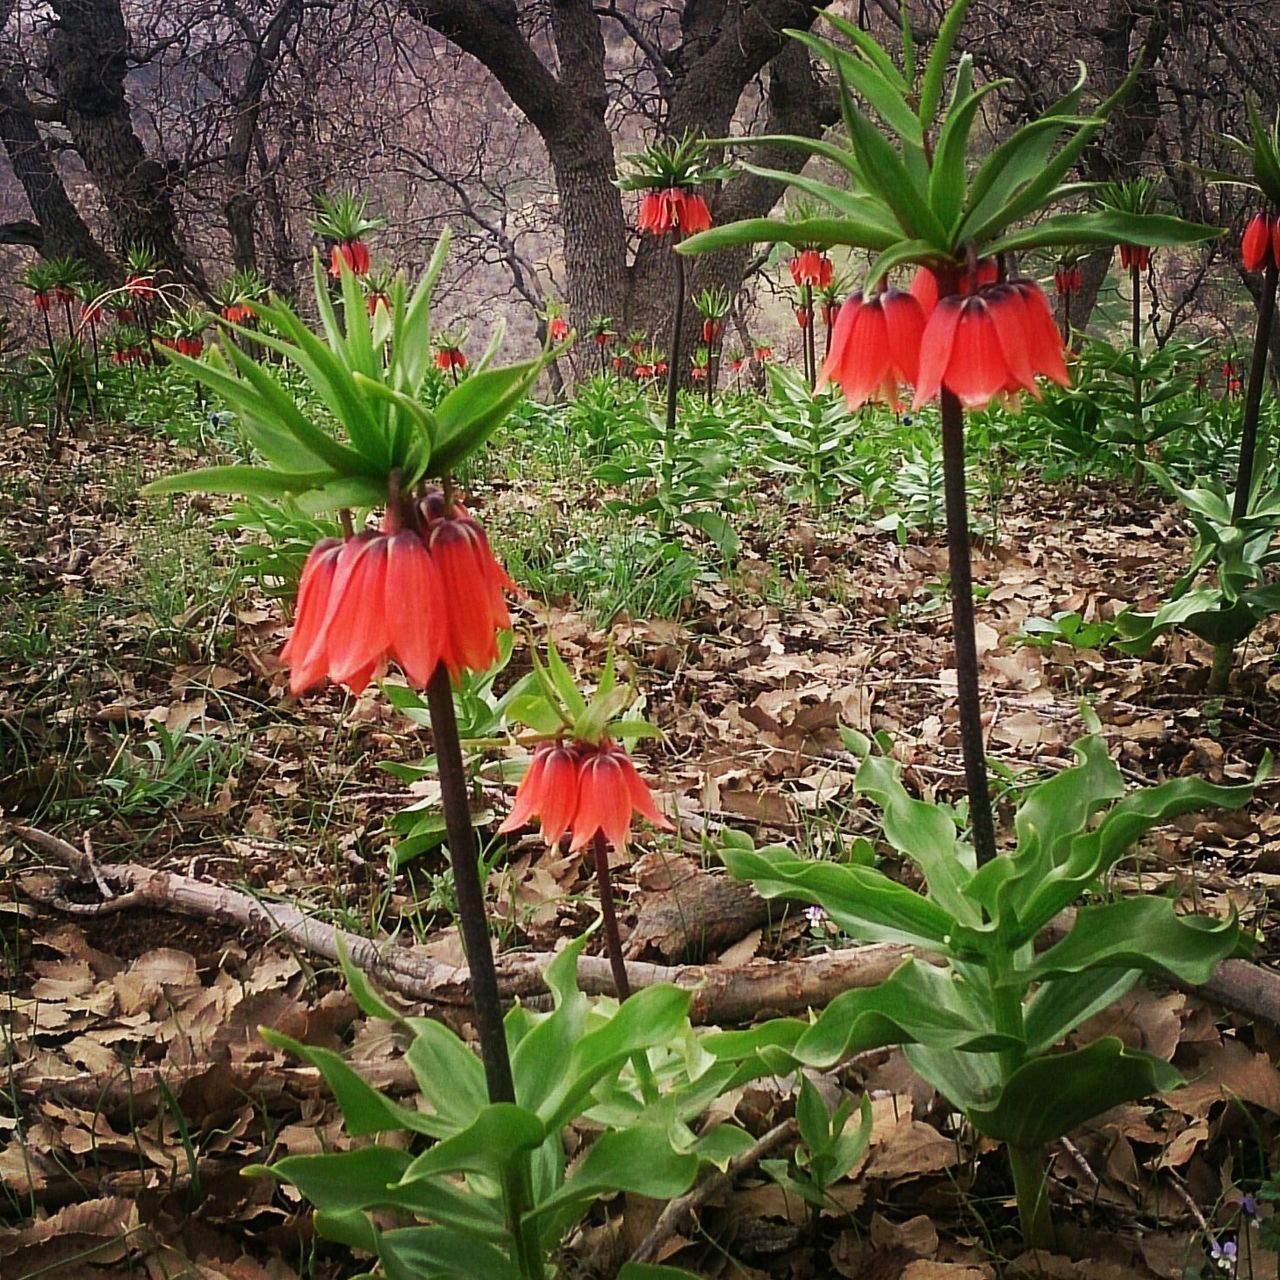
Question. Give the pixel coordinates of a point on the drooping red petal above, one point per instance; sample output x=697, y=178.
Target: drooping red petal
x=1009, y=314
x=472, y=584
x=695, y=216
x=306, y=660
x=977, y=369
x=1255, y=247
x=639, y=794
x=604, y=803
x=1044, y=339
x=358, y=635
x=867, y=364
x=935, y=347
x=414, y=607
x=528, y=794
x=904, y=321
x=832, y=366
x=560, y=788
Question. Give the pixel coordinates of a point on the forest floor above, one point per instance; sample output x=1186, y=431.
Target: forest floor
x=144, y=718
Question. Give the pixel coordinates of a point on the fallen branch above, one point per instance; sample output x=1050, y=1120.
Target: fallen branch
x=679, y=1213
x=720, y=994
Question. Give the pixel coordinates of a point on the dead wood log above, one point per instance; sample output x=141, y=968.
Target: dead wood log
x=720, y=994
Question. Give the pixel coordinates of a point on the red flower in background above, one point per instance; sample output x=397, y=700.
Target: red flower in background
x=558, y=329
x=1066, y=280
x=42, y=300
x=673, y=209
x=812, y=267
x=376, y=300
x=660, y=368
x=995, y=341
x=583, y=789
x=802, y=317
x=1260, y=247
x=237, y=312
x=875, y=346
x=472, y=583
x=63, y=293
x=830, y=313
x=698, y=373
x=763, y=353
x=711, y=330
x=190, y=346
x=140, y=287
x=91, y=312
x=619, y=362
x=355, y=253
x=1135, y=257
x=450, y=358
x=644, y=371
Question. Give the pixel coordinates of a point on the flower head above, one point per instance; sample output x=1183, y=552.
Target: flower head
x=875, y=346
x=1135, y=257
x=355, y=253
x=762, y=353
x=558, y=329
x=811, y=267
x=583, y=788
x=996, y=341
x=673, y=209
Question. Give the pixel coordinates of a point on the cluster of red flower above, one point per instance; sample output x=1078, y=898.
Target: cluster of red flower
x=582, y=788
x=188, y=345
x=1135, y=257
x=1261, y=245
x=812, y=267
x=1067, y=280
x=450, y=358
x=237, y=312
x=421, y=596
x=673, y=209
x=994, y=339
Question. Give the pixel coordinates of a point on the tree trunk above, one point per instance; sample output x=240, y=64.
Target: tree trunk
x=61, y=231
x=87, y=64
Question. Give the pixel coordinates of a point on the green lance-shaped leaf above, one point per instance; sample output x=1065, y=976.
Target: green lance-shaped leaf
x=492, y=1144
x=450, y=1076
x=1059, y=1006
x=1103, y=227
x=858, y=233
x=1051, y=1096
x=261, y=482
x=947, y=177
x=364, y=1109
x=442, y=1253
x=344, y=1182
x=861, y=901
x=916, y=1004
x=470, y=413
x=1140, y=933
x=936, y=68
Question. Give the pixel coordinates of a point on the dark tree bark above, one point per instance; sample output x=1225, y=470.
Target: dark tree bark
x=58, y=230
x=723, y=47
x=241, y=200
x=88, y=59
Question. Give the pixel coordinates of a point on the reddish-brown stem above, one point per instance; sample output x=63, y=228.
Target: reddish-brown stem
x=1253, y=395
x=464, y=856
x=612, y=939
x=966, y=650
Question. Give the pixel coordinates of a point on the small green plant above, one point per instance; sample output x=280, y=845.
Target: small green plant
x=985, y=1023
x=1067, y=627
x=490, y=1185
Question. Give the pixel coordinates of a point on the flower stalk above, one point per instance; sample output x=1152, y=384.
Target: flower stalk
x=963, y=638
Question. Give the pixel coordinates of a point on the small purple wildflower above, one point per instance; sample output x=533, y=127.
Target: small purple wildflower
x=1224, y=1253
x=1249, y=1204
x=816, y=916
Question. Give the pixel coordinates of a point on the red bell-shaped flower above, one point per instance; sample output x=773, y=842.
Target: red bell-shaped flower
x=995, y=341
x=812, y=267
x=609, y=792
x=1260, y=247
x=355, y=253
x=548, y=791
x=558, y=329
x=1135, y=257
x=710, y=329
x=875, y=346
x=924, y=285
x=472, y=583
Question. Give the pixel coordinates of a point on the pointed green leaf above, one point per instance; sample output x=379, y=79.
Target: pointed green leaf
x=936, y=68
x=259, y=481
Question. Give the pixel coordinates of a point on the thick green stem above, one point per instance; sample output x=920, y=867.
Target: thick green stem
x=1220, y=673
x=473, y=922
x=1253, y=395
x=812, y=358
x=1030, y=1185
x=966, y=650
